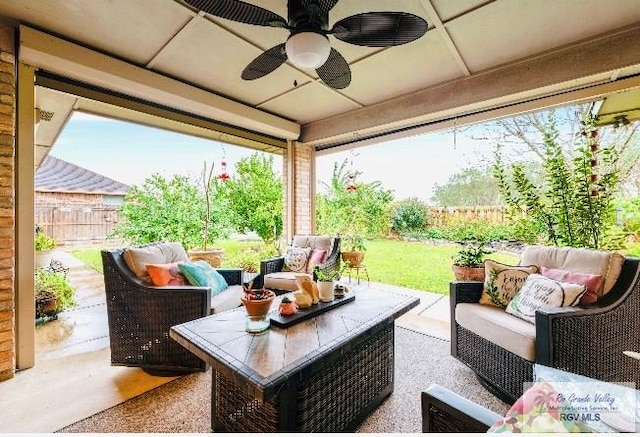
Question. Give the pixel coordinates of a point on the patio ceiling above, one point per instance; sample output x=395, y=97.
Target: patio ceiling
x=477, y=56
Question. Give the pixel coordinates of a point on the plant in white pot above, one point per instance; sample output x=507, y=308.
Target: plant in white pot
x=44, y=246
x=326, y=282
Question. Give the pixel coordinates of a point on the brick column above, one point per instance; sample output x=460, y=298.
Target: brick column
x=7, y=201
x=299, y=200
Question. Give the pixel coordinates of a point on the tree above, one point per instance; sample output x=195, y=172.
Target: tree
x=363, y=210
x=254, y=197
x=574, y=203
x=172, y=210
x=525, y=136
x=469, y=187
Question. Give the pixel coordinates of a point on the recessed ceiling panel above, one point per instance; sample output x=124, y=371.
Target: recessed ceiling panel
x=506, y=30
x=402, y=69
x=133, y=30
x=215, y=60
x=448, y=9
x=310, y=102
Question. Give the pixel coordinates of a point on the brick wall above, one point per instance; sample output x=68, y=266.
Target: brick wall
x=302, y=222
x=7, y=203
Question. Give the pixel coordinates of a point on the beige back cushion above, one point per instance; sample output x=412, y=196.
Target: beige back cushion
x=580, y=260
x=314, y=241
x=137, y=258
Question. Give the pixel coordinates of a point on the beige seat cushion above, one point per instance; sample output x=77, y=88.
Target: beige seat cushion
x=227, y=299
x=313, y=241
x=137, y=258
x=282, y=280
x=579, y=260
x=498, y=327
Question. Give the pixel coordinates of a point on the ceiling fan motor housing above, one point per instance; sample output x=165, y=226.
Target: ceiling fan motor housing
x=306, y=18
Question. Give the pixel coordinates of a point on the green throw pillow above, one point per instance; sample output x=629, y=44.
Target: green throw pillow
x=201, y=274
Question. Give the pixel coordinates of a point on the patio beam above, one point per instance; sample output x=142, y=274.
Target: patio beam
x=80, y=63
x=569, y=68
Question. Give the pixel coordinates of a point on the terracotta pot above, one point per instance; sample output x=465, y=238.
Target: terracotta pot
x=352, y=259
x=468, y=273
x=258, y=308
x=212, y=256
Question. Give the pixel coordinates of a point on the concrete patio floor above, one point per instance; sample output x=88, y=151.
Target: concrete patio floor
x=73, y=378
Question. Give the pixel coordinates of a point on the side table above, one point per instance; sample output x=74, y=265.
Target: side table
x=357, y=269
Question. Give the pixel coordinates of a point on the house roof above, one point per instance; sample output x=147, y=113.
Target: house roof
x=477, y=56
x=57, y=175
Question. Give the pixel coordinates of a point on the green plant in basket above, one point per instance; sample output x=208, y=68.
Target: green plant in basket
x=471, y=255
x=56, y=285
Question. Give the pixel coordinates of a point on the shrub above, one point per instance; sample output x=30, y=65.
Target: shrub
x=56, y=284
x=409, y=215
x=43, y=242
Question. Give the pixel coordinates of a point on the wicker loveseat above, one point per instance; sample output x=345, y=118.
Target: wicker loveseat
x=587, y=340
x=141, y=314
x=277, y=277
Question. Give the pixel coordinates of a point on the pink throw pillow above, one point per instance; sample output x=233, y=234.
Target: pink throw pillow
x=591, y=282
x=317, y=256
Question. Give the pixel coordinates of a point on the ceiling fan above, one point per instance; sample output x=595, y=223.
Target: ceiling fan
x=308, y=44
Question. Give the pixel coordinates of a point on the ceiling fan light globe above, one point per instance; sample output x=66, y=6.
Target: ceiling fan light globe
x=308, y=50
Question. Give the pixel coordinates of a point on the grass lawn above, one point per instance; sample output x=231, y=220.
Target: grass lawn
x=416, y=265
x=405, y=264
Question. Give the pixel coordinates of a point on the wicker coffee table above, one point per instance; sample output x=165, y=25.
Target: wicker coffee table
x=325, y=374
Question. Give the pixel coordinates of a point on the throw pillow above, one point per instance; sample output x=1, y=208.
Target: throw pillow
x=201, y=274
x=502, y=282
x=137, y=259
x=591, y=282
x=317, y=257
x=540, y=292
x=166, y=274
x=295, y=259
x=537, y=410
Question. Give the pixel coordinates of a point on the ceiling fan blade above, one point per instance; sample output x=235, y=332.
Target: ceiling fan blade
x=325, y=5
x=380, y=29
x=265, y=63
x=239, y=11
x=335, y=72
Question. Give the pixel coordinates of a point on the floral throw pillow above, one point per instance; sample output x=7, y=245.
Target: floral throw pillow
x=537, y=410
x=540, y=292
x=295, y=259
x=502, y=282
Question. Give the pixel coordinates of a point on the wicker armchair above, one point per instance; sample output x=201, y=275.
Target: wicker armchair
x=588, y=340
x=271, y=270
x=443, y=411
x=140, y=316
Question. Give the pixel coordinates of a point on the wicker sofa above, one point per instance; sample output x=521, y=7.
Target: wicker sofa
x=275, y=276
x=141, y=314
x=587, y=340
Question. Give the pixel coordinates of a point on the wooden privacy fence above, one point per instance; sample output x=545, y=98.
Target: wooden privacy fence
x=443, y=216
x=77, y=224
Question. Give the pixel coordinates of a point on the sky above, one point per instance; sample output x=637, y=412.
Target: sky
x=130, y=153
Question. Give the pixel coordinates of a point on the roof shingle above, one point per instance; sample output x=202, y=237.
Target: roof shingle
x=57, y=175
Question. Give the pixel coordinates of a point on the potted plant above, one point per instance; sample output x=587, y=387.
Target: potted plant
x=44, y=246
x=53, y=294
x=468, y=262
x=325, y=280
x=212, y=256
x=287, y=307
x=257, y=302
x=354, y=255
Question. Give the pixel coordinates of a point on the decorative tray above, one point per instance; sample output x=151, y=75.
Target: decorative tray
x=303, y=314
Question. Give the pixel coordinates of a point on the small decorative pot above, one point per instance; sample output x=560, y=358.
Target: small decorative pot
x=258, y=307
x=325, y=291
x=287, y=308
